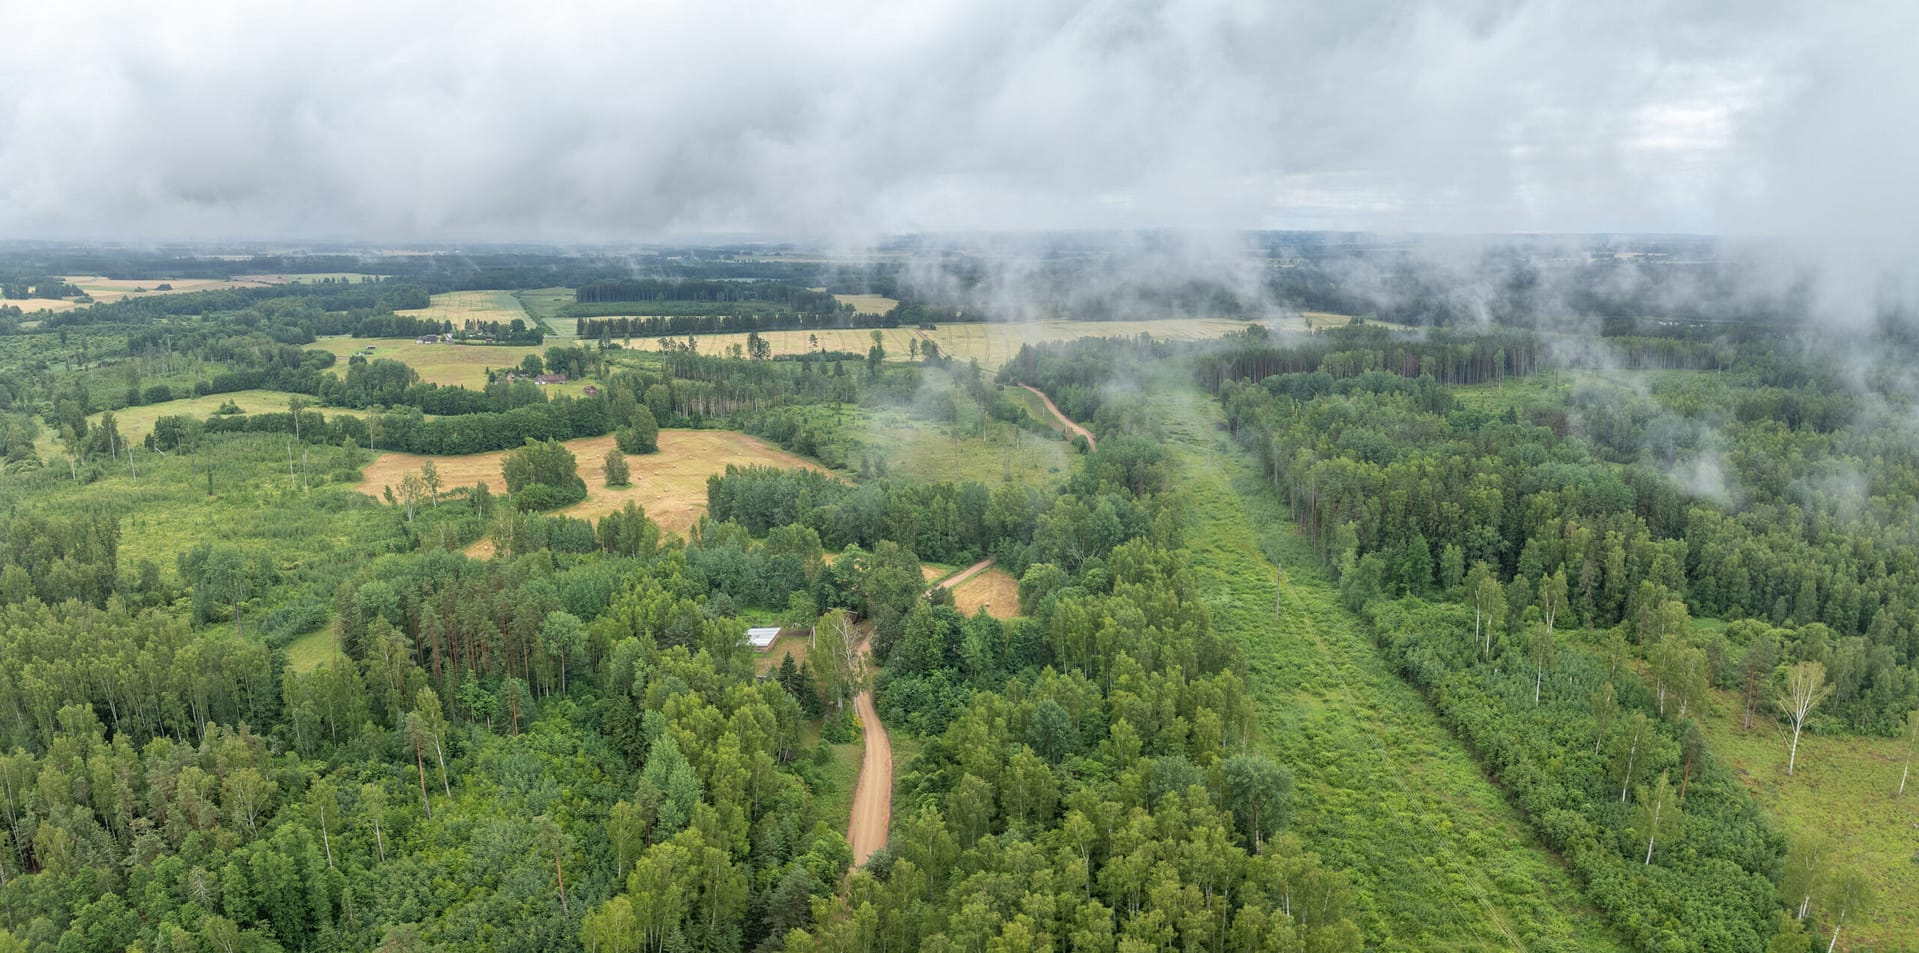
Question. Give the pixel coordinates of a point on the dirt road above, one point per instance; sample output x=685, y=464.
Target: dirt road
x=953, y=581
x=1091, y=444
x=873, y=793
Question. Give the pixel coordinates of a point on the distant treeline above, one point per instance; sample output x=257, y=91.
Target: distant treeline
x=1449, y=357
x=563, y=419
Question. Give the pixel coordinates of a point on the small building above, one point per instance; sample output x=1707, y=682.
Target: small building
x=592, y=391
x=761, y=637
x=550, y=379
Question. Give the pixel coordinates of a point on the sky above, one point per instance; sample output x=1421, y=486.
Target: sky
x=580, y=121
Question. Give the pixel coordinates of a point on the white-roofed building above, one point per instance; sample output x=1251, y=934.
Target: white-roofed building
x=761, y=638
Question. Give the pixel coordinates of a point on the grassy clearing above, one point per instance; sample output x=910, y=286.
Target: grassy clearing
x=994, y=589
x=463, y=365
x=1441, y=860
x=988, y=451
x=312, y=650
x=312, y=538
x=669, y=485
x=1844, y=786
x=838, y=776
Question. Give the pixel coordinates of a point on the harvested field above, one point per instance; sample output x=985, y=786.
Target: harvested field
x=30, y=305
x=670, y=485
x=868, y=304
x=103, y=289
x=462, y=306
x=992, y=344
x=994, y=589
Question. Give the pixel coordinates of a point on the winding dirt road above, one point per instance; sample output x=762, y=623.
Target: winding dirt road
x=1091, y=443
x=873, y=793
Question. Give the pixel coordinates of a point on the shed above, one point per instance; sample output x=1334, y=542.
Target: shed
x=761, y=637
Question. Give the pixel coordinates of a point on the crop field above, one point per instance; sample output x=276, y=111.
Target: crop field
x=1843, y=786
x=103, y=289
x=461, y=306
x=464, y=365
x=1439, y=858
x=670, y=484
x=992, y=344
x=868, y=304
x=993, y=589
x=30, y=305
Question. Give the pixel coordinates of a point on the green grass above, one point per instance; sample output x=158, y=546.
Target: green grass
x=1440, y=859
x=313, y=649
x=312, y=538
x=838, y=776
x=1843, y=785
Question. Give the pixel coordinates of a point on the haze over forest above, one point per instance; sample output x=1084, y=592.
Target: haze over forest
x=1015, y=476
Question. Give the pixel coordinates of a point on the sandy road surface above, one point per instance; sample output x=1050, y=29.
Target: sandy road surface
x=873, y=794
x=1091, y=444
x=953, y=581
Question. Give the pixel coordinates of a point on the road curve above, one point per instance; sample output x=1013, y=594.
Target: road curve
x=873, y=793
x=1091, y=443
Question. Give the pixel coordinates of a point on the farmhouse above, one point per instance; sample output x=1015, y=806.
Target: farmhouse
x=761, y=637
x=550, y=379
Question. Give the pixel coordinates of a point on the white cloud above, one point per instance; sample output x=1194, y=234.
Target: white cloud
x=564, y=119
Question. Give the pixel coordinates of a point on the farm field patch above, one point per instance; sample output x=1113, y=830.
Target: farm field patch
x=992, y=344
x=994, y=590
x=868, y=304
x=670, y=485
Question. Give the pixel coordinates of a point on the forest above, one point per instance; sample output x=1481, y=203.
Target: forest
x=252, y=704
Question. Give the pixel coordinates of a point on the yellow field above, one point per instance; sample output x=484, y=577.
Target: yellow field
x=462, y=306
x=868, y=304
x=30, y=305
x=671, y=484
x=993, y=344
x=994, y=589
x=103, y=289
x=136, y=422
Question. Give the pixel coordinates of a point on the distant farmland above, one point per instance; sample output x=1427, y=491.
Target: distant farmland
x=992, y=344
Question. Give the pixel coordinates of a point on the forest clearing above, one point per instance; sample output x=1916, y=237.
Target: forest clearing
x=670, y=485
x=1845, y=790
x=1385, y=791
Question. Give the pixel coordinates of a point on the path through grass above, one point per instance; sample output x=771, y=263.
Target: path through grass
x=1440, y=859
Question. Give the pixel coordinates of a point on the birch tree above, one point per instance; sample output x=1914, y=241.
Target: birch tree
x=1805, y=687
x=1804, y=875
x=1912, y=746
x=1657, y=816
x=1489, y=605
x=1628, y=748
x=1849, y=896
x=835, y=658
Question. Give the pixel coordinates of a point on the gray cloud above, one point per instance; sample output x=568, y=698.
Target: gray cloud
x=575, y=120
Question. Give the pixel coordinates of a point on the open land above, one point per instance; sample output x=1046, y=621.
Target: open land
x=670, y=485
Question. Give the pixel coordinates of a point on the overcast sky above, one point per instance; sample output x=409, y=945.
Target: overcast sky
x=562, y=120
